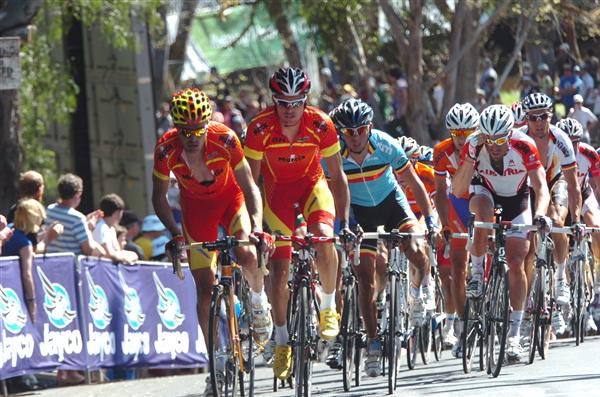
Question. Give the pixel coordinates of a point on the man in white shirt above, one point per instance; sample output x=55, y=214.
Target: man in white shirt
x=585, y=116
x=105, y=234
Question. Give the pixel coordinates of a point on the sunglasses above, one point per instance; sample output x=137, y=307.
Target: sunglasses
x=497, y=141
x=350, y=132
x=539, y=117
x=465, y=133
x=296, y=103
x=199, y=132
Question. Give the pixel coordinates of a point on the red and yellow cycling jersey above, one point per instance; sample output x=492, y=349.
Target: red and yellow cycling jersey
x=285, y=161
x=426, y=175
x=222, y=155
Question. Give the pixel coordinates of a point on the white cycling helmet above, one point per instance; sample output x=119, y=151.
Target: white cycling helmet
x=496, y=120
x=409, y=145
x=462, y=117
x=425, y=154
x=519, y=114
x=571, y=127
x=536, y=101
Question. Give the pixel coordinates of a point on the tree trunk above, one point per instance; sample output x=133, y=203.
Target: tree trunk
x=417, y=116
x=571, y=37
x=466, y=91
x=451, y=77
x=10, y=149
x=178, y=48
x=276, y=11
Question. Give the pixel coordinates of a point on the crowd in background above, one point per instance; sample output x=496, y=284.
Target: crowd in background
x=114, y=232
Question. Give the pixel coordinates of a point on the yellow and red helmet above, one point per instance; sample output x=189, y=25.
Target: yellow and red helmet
x=190, y=107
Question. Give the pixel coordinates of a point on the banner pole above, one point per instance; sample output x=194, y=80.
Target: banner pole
x=4, y=388
x=78, y=269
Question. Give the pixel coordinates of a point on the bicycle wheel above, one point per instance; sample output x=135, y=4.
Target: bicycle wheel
x=350, y=332
x=537, y=296
x=578, y=300
x=392, y=342
x=497, y=318
x=412, y=346
x=246, y=341
x=437, y=325
x=472, y=332
x=437, y=338
x=301, y=351
x=222, y=357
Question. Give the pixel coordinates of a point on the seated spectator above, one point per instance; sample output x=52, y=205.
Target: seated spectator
x=153, y=238
x=105, y=234
x=131, y=222
x=31, y=185
x=77, y=237
x=5, y=232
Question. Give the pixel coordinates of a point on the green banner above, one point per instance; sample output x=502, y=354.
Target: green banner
x=260, y=45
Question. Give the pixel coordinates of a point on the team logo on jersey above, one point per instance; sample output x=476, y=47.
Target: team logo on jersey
x=259, y=128
x=57, y=303
x=164, y=151
x=132, y=305
x=168, y=307
x=11, y=310
x=98, y=304
x=321, y=126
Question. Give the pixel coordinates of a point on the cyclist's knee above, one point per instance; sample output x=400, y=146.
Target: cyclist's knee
x=321, y=230
x=246, y=258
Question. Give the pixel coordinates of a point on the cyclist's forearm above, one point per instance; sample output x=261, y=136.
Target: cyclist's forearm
x=164, y=213
x=341, y=198
x=254, y=206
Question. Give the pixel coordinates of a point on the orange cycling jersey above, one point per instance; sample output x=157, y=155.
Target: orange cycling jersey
x=426, y=175
x=446, y=160
x=222, y=155
x=286, y=161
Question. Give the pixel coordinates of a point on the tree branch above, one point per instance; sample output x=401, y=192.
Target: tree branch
x=246, y=29
x=397, y=27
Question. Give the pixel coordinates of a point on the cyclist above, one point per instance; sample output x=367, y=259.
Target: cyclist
x=462, y=120
x=588, y=174
x=519, y=114
x=496, y=165
x=558, y=159
x=374, y=163
x=216, y=189
x=285, y=143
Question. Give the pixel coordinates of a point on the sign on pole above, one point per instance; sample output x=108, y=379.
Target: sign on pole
x=10, y=65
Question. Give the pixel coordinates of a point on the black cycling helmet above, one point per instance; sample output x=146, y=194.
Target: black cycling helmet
x=352, y=113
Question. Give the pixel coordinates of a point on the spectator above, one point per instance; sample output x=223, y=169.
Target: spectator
x=586, y=118
x=527, y=86
x=545, y=83
x=329, y=93
x=587, y=86
x=480, y=101
x=77, y=237
x=232, y=116
x=569, y=85
x=5, y=232
x=121, y=236
x=105, y=234
x=592, y=64
x=131, y=222
x=492, y=97
x=488, y=71
x=528, y=71
x=564, y=59
x=216, y=115
x=31, y=185
x=153, y=238
x=164, y=121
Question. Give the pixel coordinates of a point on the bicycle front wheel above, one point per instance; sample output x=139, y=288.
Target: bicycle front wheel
x=472, y=332
x=497, y=319
x=579, y=299
x=302, y=318
x=222, y=354
x=393, y=343
x=350, y=336
x=247, y=345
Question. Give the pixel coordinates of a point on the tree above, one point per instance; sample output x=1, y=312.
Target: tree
x=277, y=12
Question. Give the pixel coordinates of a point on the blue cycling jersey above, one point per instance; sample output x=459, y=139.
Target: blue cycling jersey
x=373, y=180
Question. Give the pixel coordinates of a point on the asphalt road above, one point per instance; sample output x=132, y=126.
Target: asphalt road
x=568, y=371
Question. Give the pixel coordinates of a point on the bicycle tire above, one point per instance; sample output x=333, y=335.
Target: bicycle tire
x=437, y=333
x=349, y=332
x=425, y=341
x=535, y=316
x=578, y=300
x=412, y=347
x=391, y=339
x=246, y=334
x=472, y=334
x=498, y=321
x=301, y=353
x=219, y=347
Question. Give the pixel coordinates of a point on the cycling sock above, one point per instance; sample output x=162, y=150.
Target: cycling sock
x=426, y=281
x=515, y=323
x=328, y=301
x=281, y=335
x=450, y=321
x=560, y=270
x=458, y=326
x=477, y=264
x=415, y=292
x=258, y=298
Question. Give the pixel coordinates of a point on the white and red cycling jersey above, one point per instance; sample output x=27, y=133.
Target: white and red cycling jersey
x=560, y=154
x=588, y=164
x=511, y=180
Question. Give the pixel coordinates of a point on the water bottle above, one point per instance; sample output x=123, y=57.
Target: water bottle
x=238, y=306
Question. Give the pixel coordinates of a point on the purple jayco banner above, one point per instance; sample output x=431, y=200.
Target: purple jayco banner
x=140, y=315
x=19, y=337
x=58, y=311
